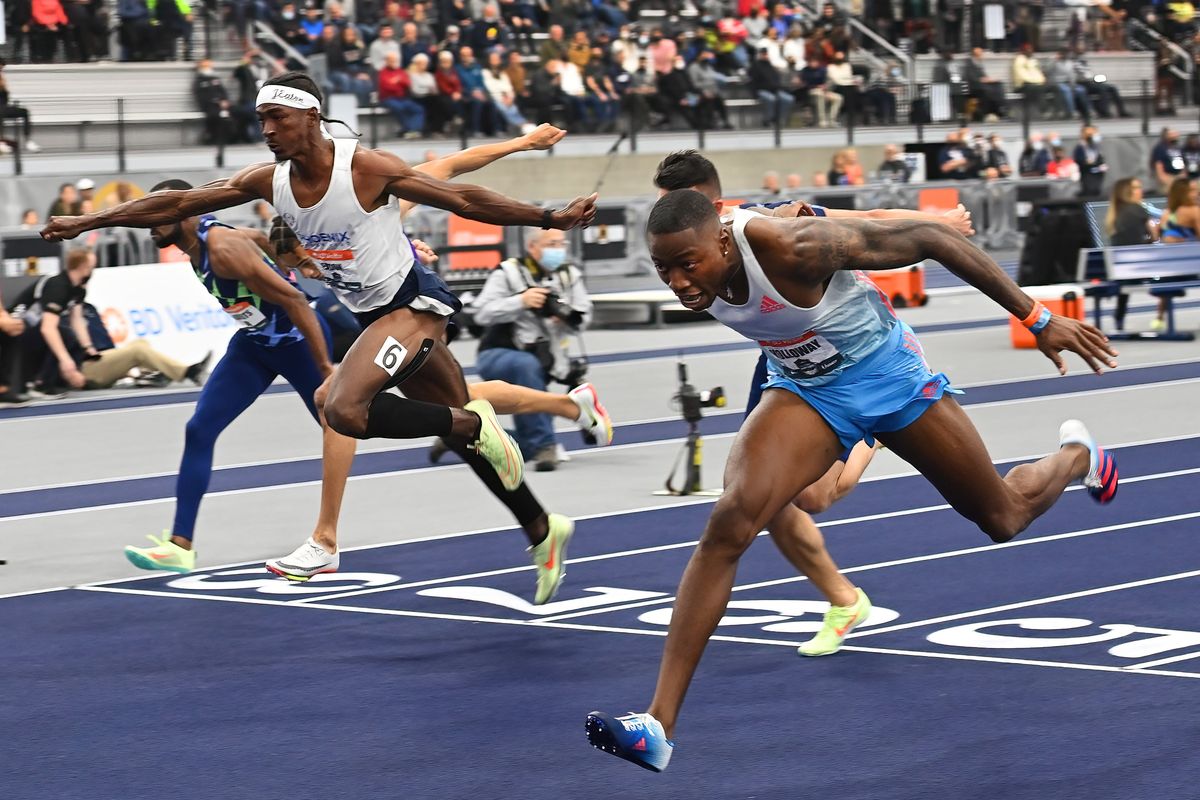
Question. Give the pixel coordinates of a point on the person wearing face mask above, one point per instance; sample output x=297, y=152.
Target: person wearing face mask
x=767, y=85
x=1090, y=159
x=997, y=159
x=528, y=308
x=709, y=84
x=1034, y=158
x=1166, y=159
x=1191, y=155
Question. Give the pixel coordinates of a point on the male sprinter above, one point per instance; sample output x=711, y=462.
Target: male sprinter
x=340, y=199
x=280, y=335
x=860, y=374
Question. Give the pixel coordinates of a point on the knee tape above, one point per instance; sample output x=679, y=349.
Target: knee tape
x=392, y=353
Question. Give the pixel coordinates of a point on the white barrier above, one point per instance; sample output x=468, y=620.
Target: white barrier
x=163, y=304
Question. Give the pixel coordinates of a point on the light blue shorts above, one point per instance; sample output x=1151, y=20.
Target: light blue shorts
x=886, y=391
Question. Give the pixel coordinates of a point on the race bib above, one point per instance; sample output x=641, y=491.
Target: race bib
x=807, y=356
x=247, y=315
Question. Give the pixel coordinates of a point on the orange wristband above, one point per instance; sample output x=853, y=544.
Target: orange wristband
x=1034, y=315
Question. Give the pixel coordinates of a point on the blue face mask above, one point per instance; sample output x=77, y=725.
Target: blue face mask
x=553, y=257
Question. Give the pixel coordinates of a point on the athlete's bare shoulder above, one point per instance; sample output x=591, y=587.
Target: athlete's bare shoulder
x=253, y=179
x=380, y=163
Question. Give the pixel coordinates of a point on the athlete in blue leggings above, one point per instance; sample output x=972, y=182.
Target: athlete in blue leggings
x=280, y=335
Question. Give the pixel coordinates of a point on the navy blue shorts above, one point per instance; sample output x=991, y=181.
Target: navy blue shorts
x=422, y=290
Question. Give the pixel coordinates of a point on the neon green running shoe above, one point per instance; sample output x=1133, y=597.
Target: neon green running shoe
x=839, y=621
x=550, y=558
x=165, y=555
x=495, y=445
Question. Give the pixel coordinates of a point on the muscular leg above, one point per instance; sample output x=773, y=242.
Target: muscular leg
x=801, y=542
x=355, y=406
x=507, y=398
x=782, y=448
x=946, y=448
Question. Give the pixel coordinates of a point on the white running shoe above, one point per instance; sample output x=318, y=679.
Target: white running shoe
x=32, y=147
x=593, y=419
x=305, y=561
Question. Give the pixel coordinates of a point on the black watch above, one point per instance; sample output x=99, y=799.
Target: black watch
x=547, y=218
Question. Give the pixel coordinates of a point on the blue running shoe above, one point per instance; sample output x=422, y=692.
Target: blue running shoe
x=1101, y=479
x=634, y=737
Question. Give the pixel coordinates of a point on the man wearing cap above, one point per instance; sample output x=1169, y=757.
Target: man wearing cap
x=86, y=188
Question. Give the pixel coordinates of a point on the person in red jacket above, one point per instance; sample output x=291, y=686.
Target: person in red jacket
x=49, y=22
x=395, y=93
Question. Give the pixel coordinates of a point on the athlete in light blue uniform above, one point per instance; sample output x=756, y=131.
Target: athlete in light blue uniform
x=279, y=335
x=844, y=368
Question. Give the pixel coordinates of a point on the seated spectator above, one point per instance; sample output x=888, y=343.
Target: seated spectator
x=521, y=16
x=423, y=89
x=450, y=88
x=87, y=195
x=395, y=94
x=1034, y=158
x=662, y=51
x=519, y=78
x=1105, y=95
x=12, y=385
x=642, y=100
x=212, y=99
x=478, y=110
x=545, y=90
x=950, y=72
x=349, y=70
x=1061, y=166
x=579, y=51
x=987, y=91
x=770, y=183
x=767, y=85
x=996, y=158
x=582, y=107
x=894, y=168
x=844, y=82
x=1090, y=159
x=1110, y=28
x=504, y=98
x=522, y=340
x=1027, y=78
x=879, y=96
x=10, y=110
x=710, y=84
x=1073, y=96
x=774, y=47
x=411, y=43
x=814, y=85
x=385, y=42
x=679, y=93
x=250, y=75
x=1128, y=222
x=793, y=48
x=313, y=26
x=1181, y=222
x=287, y=26
x=954, y=160
x=844, y=169
x=601, y=92
x=554, y=48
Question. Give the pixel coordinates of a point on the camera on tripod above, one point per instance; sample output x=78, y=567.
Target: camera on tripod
x=691, y=400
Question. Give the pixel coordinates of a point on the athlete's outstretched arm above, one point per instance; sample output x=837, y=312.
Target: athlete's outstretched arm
x=472, y=202
x=811, y=250
x=958, y=218
x=165, y=207
x=451, y=166
x=234, y=255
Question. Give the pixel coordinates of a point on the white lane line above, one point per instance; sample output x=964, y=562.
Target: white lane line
x=1116, y=587
x=34, y=591
x=392, y=612
x=1167, y=660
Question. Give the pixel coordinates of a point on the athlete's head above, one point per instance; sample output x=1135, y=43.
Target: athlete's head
x=289, y=110
x=690, y=247
x=169, y=234
x=687, y=169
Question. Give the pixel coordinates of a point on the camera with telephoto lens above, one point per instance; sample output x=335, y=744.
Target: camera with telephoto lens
x=555, y=307
x=691, y=400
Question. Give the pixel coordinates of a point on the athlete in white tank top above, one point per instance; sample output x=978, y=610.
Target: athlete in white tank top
x=810, y=345
x=364, y=257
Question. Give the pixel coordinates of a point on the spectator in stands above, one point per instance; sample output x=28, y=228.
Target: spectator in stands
x=680, y=94
x=793, y=181
x=287, y=26
x=30, y=221
x=411, y=43
x=478, y=111
x=64, y=204
x=349, y=70
x=1027, y=78
x=173, y=21
x=1166, y=159
x=453, y=42
x=521, y=17
x=1034, y=158
x=423, y=89
x=504, y=98
x=213, y=100
x=1102, y=92
x=710, y=85
x=579, y=51
x=522, y=343
x=12, y=384
x=450, y=89
x=1073, y=96
x=895, y=168
x=642, y=100
x=1180, y=20
x=385, y=42
x=395, y=95
x=996, y=158
x=662, y=51
x=1128, y=222
x=313, y=26
x=1191, y=155
x=86, y=188
x=250, y=75
x=1061, y=165
x=47, y=25
x=518, y=76
x=582, y=107
x=1110, y=29
x=954, y=160
x=774, y=47
x=879, y=96
x=1164, y=79
x=10, y=110
x=1181, y=222
x=770, y=183
x=814, y=85
x=793, y=48
x=601, y=90
x=767, y=85
x=86, y=36
x=555, y=46
x=846, y=83
x=1090, y=159
x=987, y=91
x=845, y=169
x=820, y=179
x=950, y=72
x=545, y=90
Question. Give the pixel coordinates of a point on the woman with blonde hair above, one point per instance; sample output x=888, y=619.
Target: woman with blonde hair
x=1127, y=221
x=423, y=89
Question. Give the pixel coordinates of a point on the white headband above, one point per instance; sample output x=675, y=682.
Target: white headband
x=286, y=96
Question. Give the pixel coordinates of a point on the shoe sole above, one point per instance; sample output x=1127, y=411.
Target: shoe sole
x=600, y=736
x=142, y=562
x=297, y=578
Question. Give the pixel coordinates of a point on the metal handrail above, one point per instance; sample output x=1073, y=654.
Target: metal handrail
x=1181, y=55
x=265, y=32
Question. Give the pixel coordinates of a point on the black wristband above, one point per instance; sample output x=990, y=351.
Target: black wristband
x=547, y=218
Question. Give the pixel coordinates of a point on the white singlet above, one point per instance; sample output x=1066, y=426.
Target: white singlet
x=812, y=346
x=363, y=257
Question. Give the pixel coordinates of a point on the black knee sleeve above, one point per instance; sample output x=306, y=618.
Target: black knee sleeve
x=392, y=417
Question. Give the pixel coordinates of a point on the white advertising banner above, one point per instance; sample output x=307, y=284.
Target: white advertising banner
x=163, y=304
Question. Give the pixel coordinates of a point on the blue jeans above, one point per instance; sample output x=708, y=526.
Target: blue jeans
x=409, y=113
x=534, y=431
x=776, y=104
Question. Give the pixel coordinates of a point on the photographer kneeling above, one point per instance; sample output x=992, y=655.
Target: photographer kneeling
x=528, y=307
